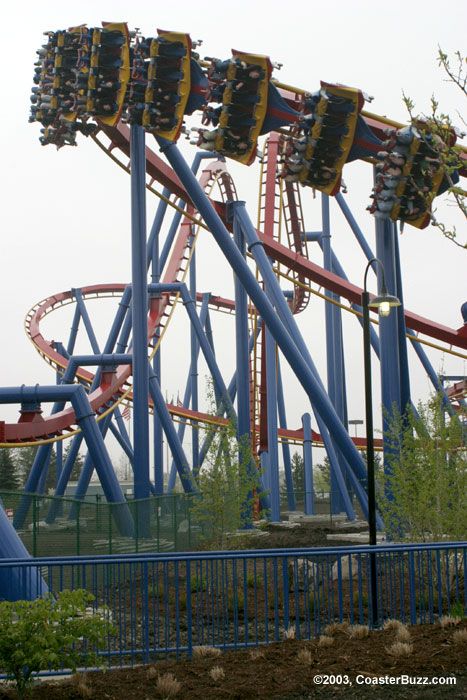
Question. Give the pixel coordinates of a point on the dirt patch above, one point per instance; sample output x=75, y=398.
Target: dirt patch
x=285, y=671
x=306, y=535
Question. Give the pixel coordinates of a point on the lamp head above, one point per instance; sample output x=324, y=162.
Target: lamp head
x=384, y=302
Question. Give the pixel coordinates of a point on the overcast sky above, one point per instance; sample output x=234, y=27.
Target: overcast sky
x=65, y=214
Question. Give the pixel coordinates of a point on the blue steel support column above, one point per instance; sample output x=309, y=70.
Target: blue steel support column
x=139, y=317
x=355, y=467
x=294, y=354
x=186, y=477
x=153, y=249
x=124, y=444
x=17, y=583
x=308, y=464
x=242, y=360
x=73, y=331
x=388, y=334
x=331, y=342
x=194, y=366
x=186, y=399
x=86, y=320
x=271, y=384
x=354, y=226
x=403, y=358
x=85, y=419
x=121, y=429
x=428, y=367
x=291, y=504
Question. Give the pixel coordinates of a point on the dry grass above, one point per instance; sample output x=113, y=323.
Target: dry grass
x=152, y=672
x=82, y=689
x=217, y=673
x=449, y=621
x=305, y=657
x=256, y=654
x=325, y=641
x=402, y=634
x=334, y=627
x=167, y=685
x=460, y=637
x=395, y=625
x=206, y=651
x=399, y=649
x=289, y=633
x=358, y=631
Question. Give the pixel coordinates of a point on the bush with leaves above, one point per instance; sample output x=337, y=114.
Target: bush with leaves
x=50, y=634
x=226, y=486
x=427, y=460
x=226, y=481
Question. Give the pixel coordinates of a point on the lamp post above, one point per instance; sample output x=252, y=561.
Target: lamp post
x=356, y=422
x=383, y=302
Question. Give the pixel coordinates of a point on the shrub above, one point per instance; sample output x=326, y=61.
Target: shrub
x=167, y=685
x=325, y=641
x=393, y=625
x=358, y=631
x=400, y=649
x=460, y=637
x=49, y=633
x=334, y=627
x=304, y=657
x=205, y=650
x=256, y=654
x=289, y=633
x=217, y=673
x=449, y=621
x=427, y=474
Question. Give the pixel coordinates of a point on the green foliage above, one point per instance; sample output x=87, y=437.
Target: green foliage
x=428, y=475
x=438, y=128
x=9, y=477
x=23, y=458
x=50, y=633
x=298, y=472
x=226, y=484
x=323, y=471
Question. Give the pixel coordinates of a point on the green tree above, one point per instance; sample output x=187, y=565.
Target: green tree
x=323, y=471
x=226, y=486
x=47, y=633
x=9, y=477
x=428, y=475
x=438, y=129
x=24, y=458
x=298, y=473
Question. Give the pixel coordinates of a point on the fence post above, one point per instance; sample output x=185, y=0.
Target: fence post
x=145, y=612
x=98, y=511
x=34, y=520
x=136, y=518
x=189, y=619
x=174, y=508
x=412, y=602
x=78, y=509
x=188, y=514
x=109, y=507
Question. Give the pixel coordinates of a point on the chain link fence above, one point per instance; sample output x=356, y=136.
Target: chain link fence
x=69, y=527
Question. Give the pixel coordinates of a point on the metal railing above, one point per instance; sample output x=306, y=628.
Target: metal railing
x=165, y=604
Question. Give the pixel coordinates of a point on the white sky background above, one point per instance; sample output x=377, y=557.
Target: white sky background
x=65, y=215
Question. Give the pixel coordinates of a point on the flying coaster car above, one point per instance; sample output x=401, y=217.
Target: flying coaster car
x=241, y=84
x=317, y=156
x=81, y=73
x=109, y=72
x=168, y=84
x=409, y=175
